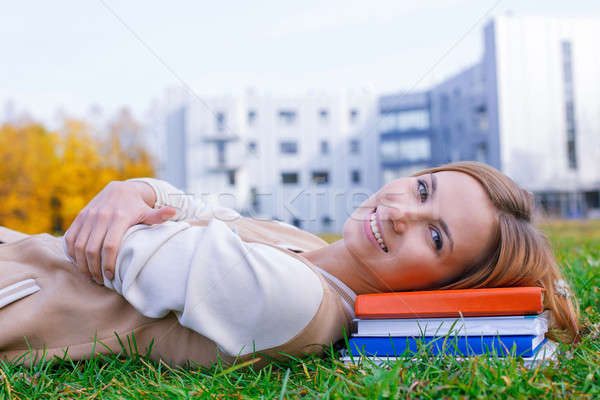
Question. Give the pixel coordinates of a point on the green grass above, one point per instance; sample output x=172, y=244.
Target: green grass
x=575, y=375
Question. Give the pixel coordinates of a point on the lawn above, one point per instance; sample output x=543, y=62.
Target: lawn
x=575, y=375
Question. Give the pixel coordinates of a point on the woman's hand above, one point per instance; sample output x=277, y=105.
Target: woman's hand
x=93, y=239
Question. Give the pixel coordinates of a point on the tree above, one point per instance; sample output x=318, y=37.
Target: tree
x=46, y=178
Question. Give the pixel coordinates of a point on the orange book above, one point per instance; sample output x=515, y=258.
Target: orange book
x=451, y=303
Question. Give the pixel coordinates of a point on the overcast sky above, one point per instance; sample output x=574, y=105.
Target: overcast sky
x=71, y=54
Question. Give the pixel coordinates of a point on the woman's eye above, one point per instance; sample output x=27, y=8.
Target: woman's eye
x=423, y=191
x=437, y=239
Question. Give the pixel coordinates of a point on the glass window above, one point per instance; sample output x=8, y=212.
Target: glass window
x=288, y=147
x=323, y=115
x=324, y=147
x=413, y=149
x=221, y=153
x=251, y=117
x=220, y=121
x=404, y=120
x=567, y=65
x=320, y=177
x=416, y=119
x=354, y=146
x=445, y=103
x=387, y=122
x=287, y=117
x=389, y=174
x=231, y=177
x=355, y=176
x=353, y=115
x=255, y=201
x=252, y=147
x=289, y=178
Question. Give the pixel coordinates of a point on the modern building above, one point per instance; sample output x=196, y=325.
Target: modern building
x=306, y=160
x=408, y=142
x=531, y=108
x=543, y=93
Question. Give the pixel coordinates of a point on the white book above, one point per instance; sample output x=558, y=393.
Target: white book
x=544, y=353
x=467, y=326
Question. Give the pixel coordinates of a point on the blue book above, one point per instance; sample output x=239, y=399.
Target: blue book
x=520, y=345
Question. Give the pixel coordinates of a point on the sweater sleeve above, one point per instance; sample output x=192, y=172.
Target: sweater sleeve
x=186, y=205
x=243, y=296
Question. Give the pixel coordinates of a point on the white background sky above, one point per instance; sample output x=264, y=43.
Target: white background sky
x=71, y=54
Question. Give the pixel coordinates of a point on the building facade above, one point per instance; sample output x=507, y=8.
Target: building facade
x=530, y=108
x=543, y=93
x=308, y=160
x=408, y=142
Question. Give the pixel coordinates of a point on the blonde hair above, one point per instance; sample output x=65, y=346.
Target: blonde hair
x=522, y=256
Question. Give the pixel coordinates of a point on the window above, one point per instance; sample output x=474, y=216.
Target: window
x=355, y=176
x=324, y=147
x=289, y=178
x=252, y=147
x=387, y=122
x=482, y=121
x=323, y=115
x=389, y=174
x=320, y=177
x=404, y=120
x=231, y=177
x=354, y=146
x=353, y=115
x=417, y=119
x=251, y=117
x=288, y=147
x=221, y=153
x=287, y=117
x=413, y=149
x=567, y=65
x=220, y=121
x=481, y=152
x=445, y=103
x=254, y=200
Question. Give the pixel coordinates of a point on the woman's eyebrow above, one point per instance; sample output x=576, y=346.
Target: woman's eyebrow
x=434, y=184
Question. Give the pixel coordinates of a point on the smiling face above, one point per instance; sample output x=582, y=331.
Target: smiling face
x=421, y=232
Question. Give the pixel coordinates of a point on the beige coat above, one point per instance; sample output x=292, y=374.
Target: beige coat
x=69, y=315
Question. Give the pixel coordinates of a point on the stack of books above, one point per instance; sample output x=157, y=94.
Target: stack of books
x=464, y=323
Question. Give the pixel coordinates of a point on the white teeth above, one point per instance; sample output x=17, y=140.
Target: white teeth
x=375, y=230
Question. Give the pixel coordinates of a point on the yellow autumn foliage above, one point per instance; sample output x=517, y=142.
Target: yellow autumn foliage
x=46, y=178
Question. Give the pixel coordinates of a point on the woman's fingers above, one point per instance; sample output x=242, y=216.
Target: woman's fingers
x=80, y=244
x=72, y=233
x=110, y=247
x=94, y=246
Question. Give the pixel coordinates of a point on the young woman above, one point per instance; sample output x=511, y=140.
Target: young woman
x=188, y=282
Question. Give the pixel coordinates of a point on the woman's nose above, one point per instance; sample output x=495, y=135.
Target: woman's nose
x=404, y=215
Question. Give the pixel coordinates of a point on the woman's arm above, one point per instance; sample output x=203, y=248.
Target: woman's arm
x=94, y=237
x=243, y=296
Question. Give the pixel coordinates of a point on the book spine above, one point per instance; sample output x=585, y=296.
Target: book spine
x=488, y=326
x=451, y=303
x=455, y=345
